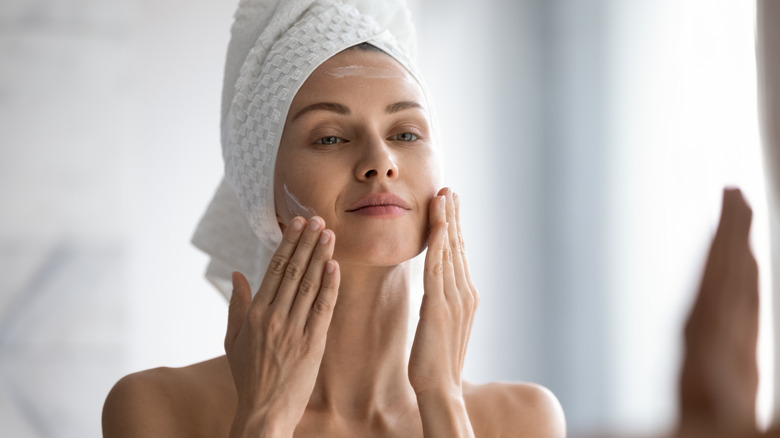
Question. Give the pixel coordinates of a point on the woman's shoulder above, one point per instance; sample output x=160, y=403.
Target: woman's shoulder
x=514, y=409
x=170, y=402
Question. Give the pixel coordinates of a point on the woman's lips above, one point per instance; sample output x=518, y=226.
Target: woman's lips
x=379, y=204
x=381, y=210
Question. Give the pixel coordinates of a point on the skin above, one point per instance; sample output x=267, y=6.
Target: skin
x=719, y=379
x=321, y=348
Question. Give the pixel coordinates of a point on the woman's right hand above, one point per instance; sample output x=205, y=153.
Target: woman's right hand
x=275, y=342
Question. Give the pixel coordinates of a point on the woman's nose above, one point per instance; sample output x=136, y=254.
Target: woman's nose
x=377, y=162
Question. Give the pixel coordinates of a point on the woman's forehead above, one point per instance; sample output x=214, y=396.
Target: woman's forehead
x=355, y=57
x=356, y=68
x=363, y=70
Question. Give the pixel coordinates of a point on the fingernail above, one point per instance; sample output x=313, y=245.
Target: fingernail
x=324, y=237
x=443, y=202
x=297, y=224
x=330, y=266
x=314, y=224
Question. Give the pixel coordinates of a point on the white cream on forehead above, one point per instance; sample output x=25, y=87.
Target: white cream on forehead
x=295, y=206
x=366, y=72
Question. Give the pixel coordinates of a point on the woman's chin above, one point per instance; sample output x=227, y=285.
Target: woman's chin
x=375, y=254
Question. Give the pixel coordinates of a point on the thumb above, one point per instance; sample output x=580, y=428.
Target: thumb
x=239, y=304
x=735, y=218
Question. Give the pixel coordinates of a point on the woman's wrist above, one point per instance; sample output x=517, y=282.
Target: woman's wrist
x=442, y=391
x=259, y=424
x=443, y=413
x=444, y=399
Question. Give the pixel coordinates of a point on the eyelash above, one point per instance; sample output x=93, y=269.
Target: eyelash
x=415, y=137
x=323, y=142
x=333, y=140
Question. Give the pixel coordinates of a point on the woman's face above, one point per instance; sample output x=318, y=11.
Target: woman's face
x=357, y=151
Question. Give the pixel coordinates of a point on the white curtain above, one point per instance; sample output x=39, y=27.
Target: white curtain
x=768, y=34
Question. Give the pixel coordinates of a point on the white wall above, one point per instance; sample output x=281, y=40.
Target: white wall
x=109, y=153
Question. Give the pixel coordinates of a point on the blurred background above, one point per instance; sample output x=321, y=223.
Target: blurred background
x=589, y=140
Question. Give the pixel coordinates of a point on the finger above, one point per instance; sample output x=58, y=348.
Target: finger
x=735, y=219
x=750, y=282
x=279, y=261
x=433, y=279
x=322, y=310
x=744, y=311
x=448, y=270
x=437, y=212
x=730, y=251
x=456, y=246
x=240, y=300
x=463, y=248
x=448, y=267
x=456, y=287
x=312, y=280
x=298, y=264
x=472, y=290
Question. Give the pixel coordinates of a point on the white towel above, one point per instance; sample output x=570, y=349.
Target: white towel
x=274, y=47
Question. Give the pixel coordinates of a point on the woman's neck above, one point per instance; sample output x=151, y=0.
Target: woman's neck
x=364, y=367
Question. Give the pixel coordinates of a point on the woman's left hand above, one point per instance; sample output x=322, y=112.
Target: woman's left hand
x=446, y=314
x=719, y=379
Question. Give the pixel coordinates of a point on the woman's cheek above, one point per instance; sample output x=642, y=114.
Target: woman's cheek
x=295, y=206
x=430, y=167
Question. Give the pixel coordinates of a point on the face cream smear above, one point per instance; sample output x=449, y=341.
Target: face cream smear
x=295, y=206
x=366, y=72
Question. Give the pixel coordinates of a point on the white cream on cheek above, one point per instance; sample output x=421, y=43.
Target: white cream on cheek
x=295, y=206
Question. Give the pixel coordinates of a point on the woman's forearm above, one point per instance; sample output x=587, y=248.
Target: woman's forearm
x=444, y=414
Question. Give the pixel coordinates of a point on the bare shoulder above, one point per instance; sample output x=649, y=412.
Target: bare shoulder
x=514, y=409
x=170, y=402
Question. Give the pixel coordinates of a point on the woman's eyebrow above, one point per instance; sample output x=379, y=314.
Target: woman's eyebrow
x=404, y=105
x=322, y=106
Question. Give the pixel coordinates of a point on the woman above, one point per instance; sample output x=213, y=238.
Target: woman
x=327, y=102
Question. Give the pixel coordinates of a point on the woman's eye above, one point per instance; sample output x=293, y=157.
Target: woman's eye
x=329, y=140
x=406, y=136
